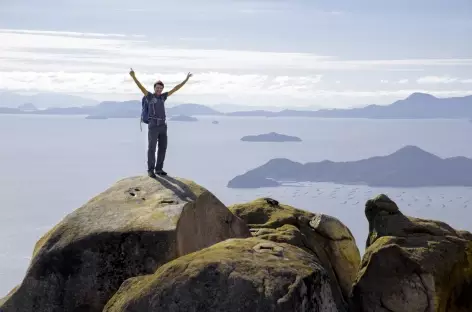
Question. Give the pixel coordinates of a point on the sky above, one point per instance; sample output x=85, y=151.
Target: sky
x=338, y=53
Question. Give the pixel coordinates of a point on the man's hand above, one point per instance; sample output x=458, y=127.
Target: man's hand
x=177, y=87
x=140, y=86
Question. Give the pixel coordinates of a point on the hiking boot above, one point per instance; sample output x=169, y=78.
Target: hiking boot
x=161, y=172
x=151, y=174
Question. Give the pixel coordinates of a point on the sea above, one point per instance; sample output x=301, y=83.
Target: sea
x=51, y=165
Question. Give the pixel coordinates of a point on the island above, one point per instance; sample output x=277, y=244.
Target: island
x=215, y=122
x=409, y=166
x=270, y=137
x=96, y=117
x=182, y=118
x=252, y=180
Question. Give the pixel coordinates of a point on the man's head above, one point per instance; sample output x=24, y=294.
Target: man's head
x=158, y=87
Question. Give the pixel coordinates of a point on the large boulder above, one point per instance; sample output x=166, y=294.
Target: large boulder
x=129, y=230
x=322, y=235
x=235, y=275
x=412, y=264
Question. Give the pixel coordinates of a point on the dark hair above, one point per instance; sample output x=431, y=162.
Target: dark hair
x=158, y=83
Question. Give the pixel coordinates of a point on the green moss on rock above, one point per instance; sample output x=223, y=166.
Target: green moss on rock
x=324, y=236
x=412, y=264
x=128, y=230
x=235, y=275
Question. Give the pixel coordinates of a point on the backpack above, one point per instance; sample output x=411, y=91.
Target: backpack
x=144, y=112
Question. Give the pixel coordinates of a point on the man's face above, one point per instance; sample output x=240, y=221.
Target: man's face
x=158, y=89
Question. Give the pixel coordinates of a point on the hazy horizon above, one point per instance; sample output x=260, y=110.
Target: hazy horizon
x=53, y=100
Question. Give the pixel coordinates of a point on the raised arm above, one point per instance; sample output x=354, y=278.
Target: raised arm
x=180, y=85
x=140, y=86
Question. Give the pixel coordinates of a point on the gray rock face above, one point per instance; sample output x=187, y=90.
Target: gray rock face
x=325, y=237
x=412, y=264
x=235, y=275
x=129, y=230
x=168, y=244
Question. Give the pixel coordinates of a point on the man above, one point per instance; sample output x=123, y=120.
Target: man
x=157, y=126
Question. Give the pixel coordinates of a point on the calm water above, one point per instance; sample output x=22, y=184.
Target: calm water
x=50, y=165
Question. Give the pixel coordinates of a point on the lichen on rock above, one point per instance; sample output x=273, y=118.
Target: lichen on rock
x=235, y=275
x=412, y=264
x=322, y=235
x=129, y=230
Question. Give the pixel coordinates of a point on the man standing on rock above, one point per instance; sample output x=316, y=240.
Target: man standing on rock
x=157, y=126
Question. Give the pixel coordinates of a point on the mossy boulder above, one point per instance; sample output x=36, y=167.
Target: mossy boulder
x=235, y=275
x=322, y=235
x=412, y=264
x=385, y=219
x=129, y=230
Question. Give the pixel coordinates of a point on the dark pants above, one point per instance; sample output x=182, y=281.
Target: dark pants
x=157, y=135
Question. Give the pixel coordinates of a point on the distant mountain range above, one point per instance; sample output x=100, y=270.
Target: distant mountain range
x=231, y=108
x=409, y=166
x=416, y=106
x=111, y=109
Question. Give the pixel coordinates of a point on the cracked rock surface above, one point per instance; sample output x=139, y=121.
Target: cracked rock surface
x=412, y=264
x=235, y=275
x=327, y=238
x=129, y=230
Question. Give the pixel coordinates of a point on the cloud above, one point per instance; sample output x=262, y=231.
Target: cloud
x=97, y=63
x=66, y=33
x=203, y=83
x=248, y=11
x=195, y=39
x=436, y=79
x=25, y=50
x=284, y=80
x=441, y=79
x=389, y=93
